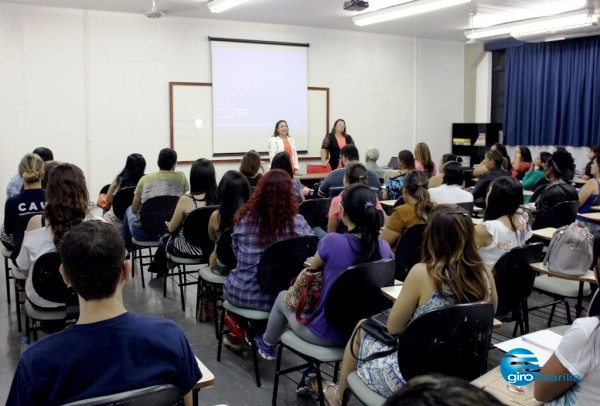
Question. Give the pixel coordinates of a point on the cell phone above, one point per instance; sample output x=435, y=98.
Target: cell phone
x=381, y=319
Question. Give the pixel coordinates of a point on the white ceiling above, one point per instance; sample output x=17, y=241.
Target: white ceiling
x=447, y=24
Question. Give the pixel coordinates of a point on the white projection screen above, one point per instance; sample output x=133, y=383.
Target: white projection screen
x=255, y=84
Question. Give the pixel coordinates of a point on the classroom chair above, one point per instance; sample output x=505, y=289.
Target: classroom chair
x=157, y=395
x=408, y=250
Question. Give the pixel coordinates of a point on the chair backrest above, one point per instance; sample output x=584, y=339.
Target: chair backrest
x=156, y=211
x=225, y=250
x=540, y=182
x=105, y=189
x=408, y=250
x=452, y=340
x=122, y=200
x=594, y=309
x=468, y=206
x=562, y=214
x=195, y=229
x=283, y=260
x=315, y=212
x=46, y=278
x=157, y=395
x=356, y=294
x=513, y=276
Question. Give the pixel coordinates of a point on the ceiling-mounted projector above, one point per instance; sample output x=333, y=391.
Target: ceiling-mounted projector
x=356, y=5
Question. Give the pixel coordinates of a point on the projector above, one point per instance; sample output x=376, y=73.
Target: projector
x=356, y=5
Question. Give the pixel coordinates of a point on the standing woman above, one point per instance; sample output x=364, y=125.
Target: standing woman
x=250, y=167
x=282, y=142
x=415, y=209
x=333, y=143
x=451, y=272
x=270, y=214
x=67, y=204
x=135, y=165
x=406, y=163
x=522, y=162
x=423, y=161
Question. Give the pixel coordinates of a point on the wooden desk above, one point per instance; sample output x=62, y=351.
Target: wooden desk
x=207, y=380
x=587, y=277
x=579, y=182
x=593, y=217
x=388, y=203
x=544, y=233
x=595, y=208
x=392, y=293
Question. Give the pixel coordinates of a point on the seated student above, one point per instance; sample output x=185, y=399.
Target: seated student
x=415, y=210
x=423, y=161
x=355, y=173
x=577, y=354
x=494, y=161
x=569, y=173
x=593, y=153
x=481, y=168
x=251, y=168
x=334, y=182
x=505, y=225
x=406, y=163
x=270, y=214
x=165, y=182
x=20, y=208
x=591, y=190
x=438, y=180
x=67, y=204
x=451, y=192
x=371, y=157
x=281, y=160
x=536, y=172
x=451, y=273
x=557, y=191
x=203, y=192
x=522, y=162
x=15, y=186
x=108, y=350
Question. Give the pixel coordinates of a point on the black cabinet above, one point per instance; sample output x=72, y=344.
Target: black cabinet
x=471, y=140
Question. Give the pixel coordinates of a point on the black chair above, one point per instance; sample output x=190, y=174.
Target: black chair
x=562, y=214
x=451, y=340
x=211, y=281
x=514, y=283
x=48, y=284
x=468, y=178
x=122, y=200
x=154, y=213
x=315, y=212
x=540, y=182
x=342, y=312
x=195, y=232
x=157, y=395
x=281, y=262
x=468, y=206
x=594, y=308
x=408, y=250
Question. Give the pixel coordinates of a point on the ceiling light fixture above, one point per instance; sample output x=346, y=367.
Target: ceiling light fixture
x=218, y=6
x=536, y=26
x=153, y=13
x=404, y=10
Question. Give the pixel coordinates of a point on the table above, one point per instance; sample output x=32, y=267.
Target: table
x=388, y=203
x=207, y=380
x=392, y=293
x=587, y=277
x=544, y=233
x=593, y=217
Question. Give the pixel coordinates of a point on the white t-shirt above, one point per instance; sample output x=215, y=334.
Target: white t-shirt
x=579, y=353
x=449, y=194
x=503, y=238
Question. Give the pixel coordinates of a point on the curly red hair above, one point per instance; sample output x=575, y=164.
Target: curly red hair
x=272, y=207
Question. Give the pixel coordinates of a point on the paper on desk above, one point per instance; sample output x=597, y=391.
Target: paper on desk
x=542, y=343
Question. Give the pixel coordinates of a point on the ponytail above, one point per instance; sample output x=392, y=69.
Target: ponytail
x=424, y=204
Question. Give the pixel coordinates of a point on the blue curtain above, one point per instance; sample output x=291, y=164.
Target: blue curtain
x=552, y=93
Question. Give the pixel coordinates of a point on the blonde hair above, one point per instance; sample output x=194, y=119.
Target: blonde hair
x=31, y=168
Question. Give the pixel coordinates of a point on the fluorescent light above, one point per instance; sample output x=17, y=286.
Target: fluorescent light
x=404, y=10
x=536, y=26
x=217, y=6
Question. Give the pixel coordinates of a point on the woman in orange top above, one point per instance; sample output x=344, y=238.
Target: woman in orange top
x=281, y=141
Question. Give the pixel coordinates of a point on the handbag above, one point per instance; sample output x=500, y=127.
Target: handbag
x=304, y=294
x=570, y=250
x=376, y=327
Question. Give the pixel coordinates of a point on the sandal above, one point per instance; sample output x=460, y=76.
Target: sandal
x=331, y=397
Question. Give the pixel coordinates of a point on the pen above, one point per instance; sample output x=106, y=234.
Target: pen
x=535, y=342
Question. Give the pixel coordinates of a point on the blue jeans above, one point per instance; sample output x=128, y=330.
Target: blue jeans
x=130, y=230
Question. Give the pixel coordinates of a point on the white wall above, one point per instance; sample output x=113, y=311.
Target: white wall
x=93, y=86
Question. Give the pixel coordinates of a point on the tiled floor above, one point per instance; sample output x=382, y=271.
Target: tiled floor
x=234, y=375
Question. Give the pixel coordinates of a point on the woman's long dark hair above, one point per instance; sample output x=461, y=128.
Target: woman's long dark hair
x=203, y=180
x=135, y=165
x=359, y=203
x=505, y=197
x=234, y=191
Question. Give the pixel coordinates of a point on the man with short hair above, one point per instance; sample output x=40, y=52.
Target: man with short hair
x=108, y=350
x=334, y=182
x=165, y=182
x=371, y=157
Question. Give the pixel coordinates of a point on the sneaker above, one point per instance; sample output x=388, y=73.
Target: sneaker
x=232, y=344
x=306, y=386
x=249, y=337
x=265, y=350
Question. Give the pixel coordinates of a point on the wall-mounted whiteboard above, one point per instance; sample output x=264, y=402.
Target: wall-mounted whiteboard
x=191, y=120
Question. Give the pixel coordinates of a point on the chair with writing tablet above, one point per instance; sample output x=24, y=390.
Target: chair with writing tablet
x=122, y=200
x=157, y=395
x=408, y=250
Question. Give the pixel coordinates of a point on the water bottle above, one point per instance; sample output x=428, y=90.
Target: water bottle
x=24, y=343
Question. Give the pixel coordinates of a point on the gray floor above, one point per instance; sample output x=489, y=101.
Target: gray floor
x=234, y=375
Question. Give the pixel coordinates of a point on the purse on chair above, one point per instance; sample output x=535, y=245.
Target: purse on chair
x=304, y=294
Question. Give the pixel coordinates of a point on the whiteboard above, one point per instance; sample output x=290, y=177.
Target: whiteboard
x=191, y=120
